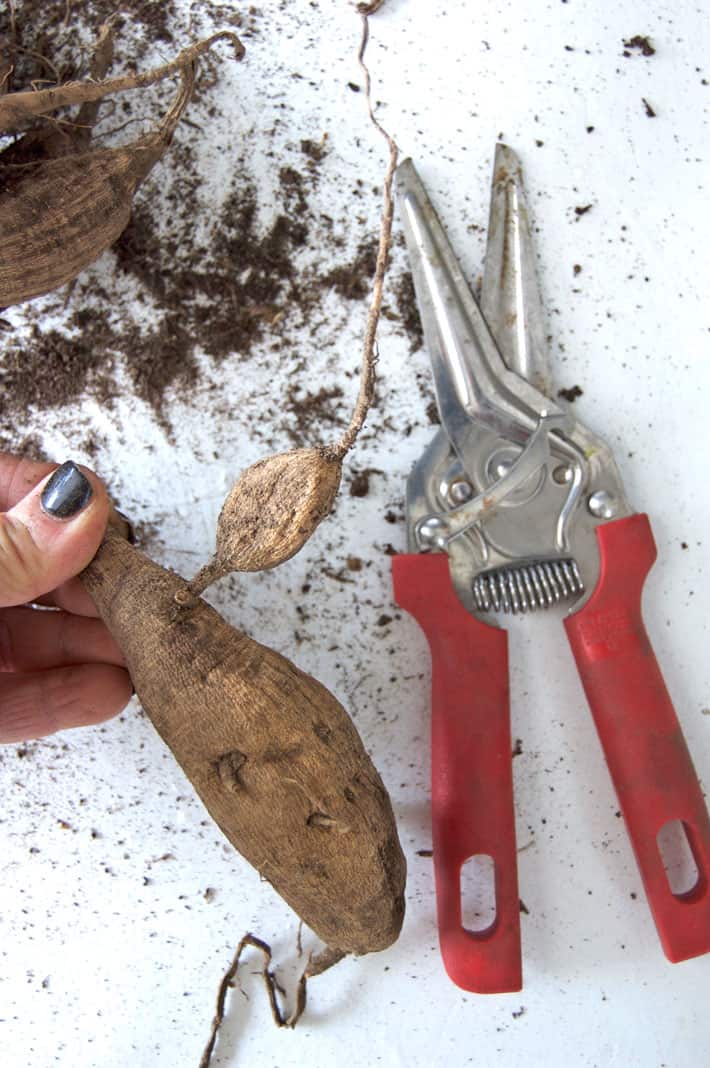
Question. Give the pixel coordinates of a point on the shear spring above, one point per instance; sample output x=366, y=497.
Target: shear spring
x=527, y=588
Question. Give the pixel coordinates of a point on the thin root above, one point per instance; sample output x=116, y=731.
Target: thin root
x=207, y=574
x=369, y=352
x=371, y=8
x=317, y=964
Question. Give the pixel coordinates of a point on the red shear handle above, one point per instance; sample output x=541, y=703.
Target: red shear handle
x=471, y=771
x=643, y=744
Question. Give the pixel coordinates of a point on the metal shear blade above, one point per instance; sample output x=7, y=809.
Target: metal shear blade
x=472, y=381
x=510, y=297
x=504, y=443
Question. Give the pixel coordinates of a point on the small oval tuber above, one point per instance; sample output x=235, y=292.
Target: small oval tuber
x=271, y=511
x=273, y=755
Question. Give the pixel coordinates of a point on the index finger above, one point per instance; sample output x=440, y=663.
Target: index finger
x=71, y=597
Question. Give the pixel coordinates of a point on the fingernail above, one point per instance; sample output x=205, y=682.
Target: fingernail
x=66, y=493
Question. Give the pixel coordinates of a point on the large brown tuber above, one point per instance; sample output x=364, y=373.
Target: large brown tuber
x=273, y=755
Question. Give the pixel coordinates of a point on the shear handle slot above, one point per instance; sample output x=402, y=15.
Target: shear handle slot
x=645, y=750
x=471, y=773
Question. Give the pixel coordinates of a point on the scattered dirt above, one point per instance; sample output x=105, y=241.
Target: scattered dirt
x=52, y=37
x=570, y=394
x=28, y=445
x=315, y=151
x=352, y=280
x=183, y=281
x=311, y=411
x=432, y=413
x=225, y=291
x=49, y=368
x=638, y=43
x=360, y=481
x=408, y=311
x=360, y=484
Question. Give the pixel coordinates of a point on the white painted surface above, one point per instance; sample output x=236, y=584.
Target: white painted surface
x=110, y=955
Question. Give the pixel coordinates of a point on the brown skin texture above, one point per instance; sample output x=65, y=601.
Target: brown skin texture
x=63, y=214
x=273, y=755
x=271, y=511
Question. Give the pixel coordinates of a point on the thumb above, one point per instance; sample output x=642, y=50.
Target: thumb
x=51, y=534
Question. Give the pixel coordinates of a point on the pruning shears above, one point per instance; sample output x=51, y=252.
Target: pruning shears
x=516, y=507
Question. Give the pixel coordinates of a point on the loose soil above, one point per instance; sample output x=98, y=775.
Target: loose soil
x=176, y=290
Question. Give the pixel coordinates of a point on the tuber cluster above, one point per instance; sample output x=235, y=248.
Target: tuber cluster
x=270, y=751
x=63, y=203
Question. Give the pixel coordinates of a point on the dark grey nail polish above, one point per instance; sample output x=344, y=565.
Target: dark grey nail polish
x=66, y=493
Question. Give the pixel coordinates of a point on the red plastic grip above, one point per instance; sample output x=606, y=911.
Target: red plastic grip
x=644, y=747
x=471, y=772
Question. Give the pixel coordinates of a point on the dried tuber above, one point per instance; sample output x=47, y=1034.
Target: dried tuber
x=271, y=511
x=273, y=755
x=61, y=203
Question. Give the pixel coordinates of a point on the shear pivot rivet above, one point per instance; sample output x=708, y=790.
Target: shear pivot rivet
x=602, y=505
x=431, y=532
x=562, y=474
x=500, y=462
x=460, y=491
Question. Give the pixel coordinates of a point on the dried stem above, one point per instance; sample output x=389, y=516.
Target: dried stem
x=17, y=108
x=370, y=9
x=316, y=966
x=369, y=352
x=100, y=65
x=172, y=116
x=207, y=574
x=10, y=48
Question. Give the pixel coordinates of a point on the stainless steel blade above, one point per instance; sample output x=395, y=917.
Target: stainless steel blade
x=510, y=296
x=474, y=387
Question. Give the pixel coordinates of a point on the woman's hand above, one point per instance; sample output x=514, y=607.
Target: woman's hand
x=58, y=668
